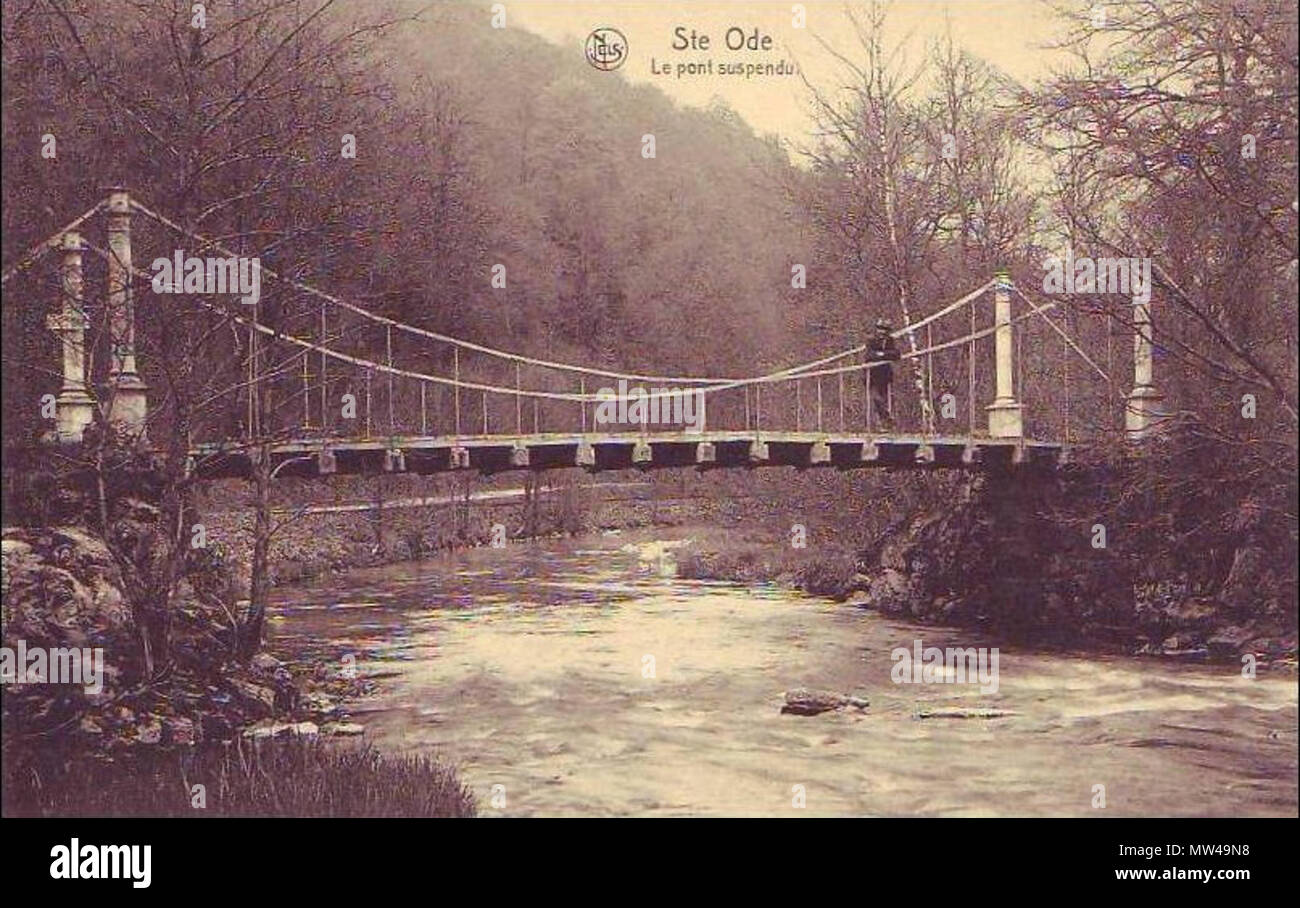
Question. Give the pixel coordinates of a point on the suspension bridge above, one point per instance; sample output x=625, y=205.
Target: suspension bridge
x=314, y=384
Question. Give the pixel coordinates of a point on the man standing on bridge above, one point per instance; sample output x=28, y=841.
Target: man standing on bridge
x=883, y=350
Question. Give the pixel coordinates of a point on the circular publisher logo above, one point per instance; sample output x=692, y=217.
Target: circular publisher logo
x=606, y=49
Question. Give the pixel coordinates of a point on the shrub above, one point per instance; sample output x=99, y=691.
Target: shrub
x=292, y=777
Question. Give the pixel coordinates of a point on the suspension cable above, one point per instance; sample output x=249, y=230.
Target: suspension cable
x=1042, y=310
x=45, y=245
x=549, y=364
x=457, y=383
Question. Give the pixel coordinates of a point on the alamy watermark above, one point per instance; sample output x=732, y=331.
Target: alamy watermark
x=637, y=406
x=59, y=665
x=75, y=861
x=954, y=665
x=210, y=276
x=1126, y=276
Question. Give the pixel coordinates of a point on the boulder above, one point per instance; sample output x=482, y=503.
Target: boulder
x=256, y=695
x=890, y=591
x=804, y=702
x=270, y=729
x=1230, y=641
x=62, y=587
x=265, y=662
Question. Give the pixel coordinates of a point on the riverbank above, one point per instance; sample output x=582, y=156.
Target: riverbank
x=1023, y=558
x=832, y=572
x=127, y=736
x=359, y=523
x=292, y=776
x=353, y=522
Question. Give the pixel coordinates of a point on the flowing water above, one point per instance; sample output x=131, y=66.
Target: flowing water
x=586, y=679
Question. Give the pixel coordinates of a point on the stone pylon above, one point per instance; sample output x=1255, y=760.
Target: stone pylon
x=1005, y=416
x=126, y=392
x=74, y=406
x=1144, y=406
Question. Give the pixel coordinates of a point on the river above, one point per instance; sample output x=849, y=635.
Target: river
x=527, y=668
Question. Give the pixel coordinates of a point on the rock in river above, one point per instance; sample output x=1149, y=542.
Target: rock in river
x=962, y=712
x=804, y=702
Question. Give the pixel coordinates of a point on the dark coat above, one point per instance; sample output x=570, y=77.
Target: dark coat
x=882, y=347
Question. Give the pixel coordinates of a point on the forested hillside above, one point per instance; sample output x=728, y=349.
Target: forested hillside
x=475, y=147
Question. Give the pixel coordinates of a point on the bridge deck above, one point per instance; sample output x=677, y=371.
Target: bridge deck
x=617, y=451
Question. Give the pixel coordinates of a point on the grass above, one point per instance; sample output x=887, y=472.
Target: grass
x=827, y=572
x=293, y=777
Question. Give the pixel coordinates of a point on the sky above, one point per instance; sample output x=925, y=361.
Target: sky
x=1009, y=33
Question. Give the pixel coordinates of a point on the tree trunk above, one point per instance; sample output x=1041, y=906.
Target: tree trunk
x=258, y=583
x=377, y=514
x=888, y=97
x=900, y=274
